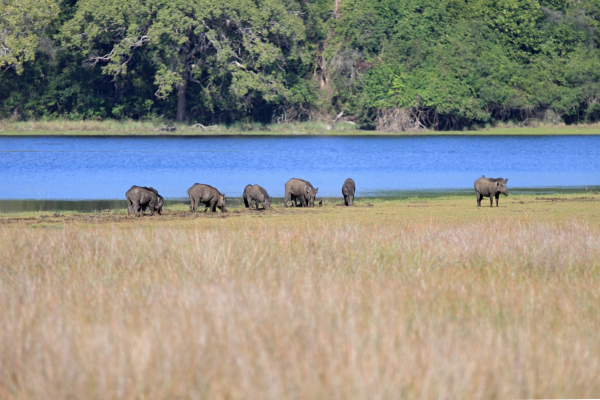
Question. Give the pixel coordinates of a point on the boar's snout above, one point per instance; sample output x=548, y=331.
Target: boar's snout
x=503, y=187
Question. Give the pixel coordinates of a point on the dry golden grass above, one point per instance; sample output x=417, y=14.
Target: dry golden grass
x=383, y=302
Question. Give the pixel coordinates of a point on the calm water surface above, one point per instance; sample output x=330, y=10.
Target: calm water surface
x=80, y=168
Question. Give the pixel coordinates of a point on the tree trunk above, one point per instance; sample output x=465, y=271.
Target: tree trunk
x=181, y=97
x=336, y=11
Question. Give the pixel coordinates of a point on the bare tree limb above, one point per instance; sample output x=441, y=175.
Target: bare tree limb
x=335, y=120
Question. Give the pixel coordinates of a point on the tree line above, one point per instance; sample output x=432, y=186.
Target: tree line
x=390, y=64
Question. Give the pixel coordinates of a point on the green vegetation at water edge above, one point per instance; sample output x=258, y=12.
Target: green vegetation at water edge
x=135, y=128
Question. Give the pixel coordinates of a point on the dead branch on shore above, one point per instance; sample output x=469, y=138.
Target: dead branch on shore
x=202, y=127
x=167, y=128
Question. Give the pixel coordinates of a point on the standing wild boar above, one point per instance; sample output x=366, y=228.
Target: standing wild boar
x=490, y=187
x=208, y=195
x=257, y=194
x=348, y=190
x=141, y=197
x=300, y=189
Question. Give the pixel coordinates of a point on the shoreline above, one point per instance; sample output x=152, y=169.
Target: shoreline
x=14, y=207
x=289, y=131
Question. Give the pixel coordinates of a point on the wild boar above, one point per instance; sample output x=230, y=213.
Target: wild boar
x=490, y=187
x=209, y=196
x=141, y=197
x=300, y=189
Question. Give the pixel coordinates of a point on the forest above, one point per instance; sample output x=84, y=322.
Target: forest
x=384, y=64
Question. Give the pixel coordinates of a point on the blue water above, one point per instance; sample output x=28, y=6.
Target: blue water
x=78, y=168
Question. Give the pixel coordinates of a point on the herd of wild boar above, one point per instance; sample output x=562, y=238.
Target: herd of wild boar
x=140, y=198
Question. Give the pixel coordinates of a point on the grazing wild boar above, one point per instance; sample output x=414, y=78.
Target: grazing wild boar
x=348, y=190
x=490, y=187
x=141, y=197
x=208, y=195
x=300, y=189
x=257, y=194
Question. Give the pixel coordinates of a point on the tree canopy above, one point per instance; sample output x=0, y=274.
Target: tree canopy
x=446, y=63
x=22, y=22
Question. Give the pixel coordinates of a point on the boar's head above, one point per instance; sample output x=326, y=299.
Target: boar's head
x=310, y=196
x=267, y=203
x=501, y=186
x=222, y=203
x=159, y=205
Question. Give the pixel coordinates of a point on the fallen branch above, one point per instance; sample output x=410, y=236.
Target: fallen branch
x=167, y=128
x=335, y=120
x=204, y=128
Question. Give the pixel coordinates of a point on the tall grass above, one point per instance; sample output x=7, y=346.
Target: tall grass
x=327, y=310
x=80, y=126
x=133, y=127
x=149, y=127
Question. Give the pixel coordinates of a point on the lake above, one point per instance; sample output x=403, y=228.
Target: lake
x=104, y=168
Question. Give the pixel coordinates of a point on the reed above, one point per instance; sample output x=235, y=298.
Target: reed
x=334, y=308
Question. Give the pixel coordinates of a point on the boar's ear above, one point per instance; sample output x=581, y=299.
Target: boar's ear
x=506, y=181
x=316, y=190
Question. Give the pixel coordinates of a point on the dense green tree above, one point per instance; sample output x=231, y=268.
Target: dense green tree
x=240, y=43
x=21, y=24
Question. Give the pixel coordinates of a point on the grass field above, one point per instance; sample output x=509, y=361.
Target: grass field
x=125, y=128
x=422, y=298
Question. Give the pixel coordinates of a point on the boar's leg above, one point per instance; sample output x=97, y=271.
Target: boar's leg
x=491, y=200
x=303, y=201
x=152, y=205
x=136, y=208
x=497, y=197
x=479, y=197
